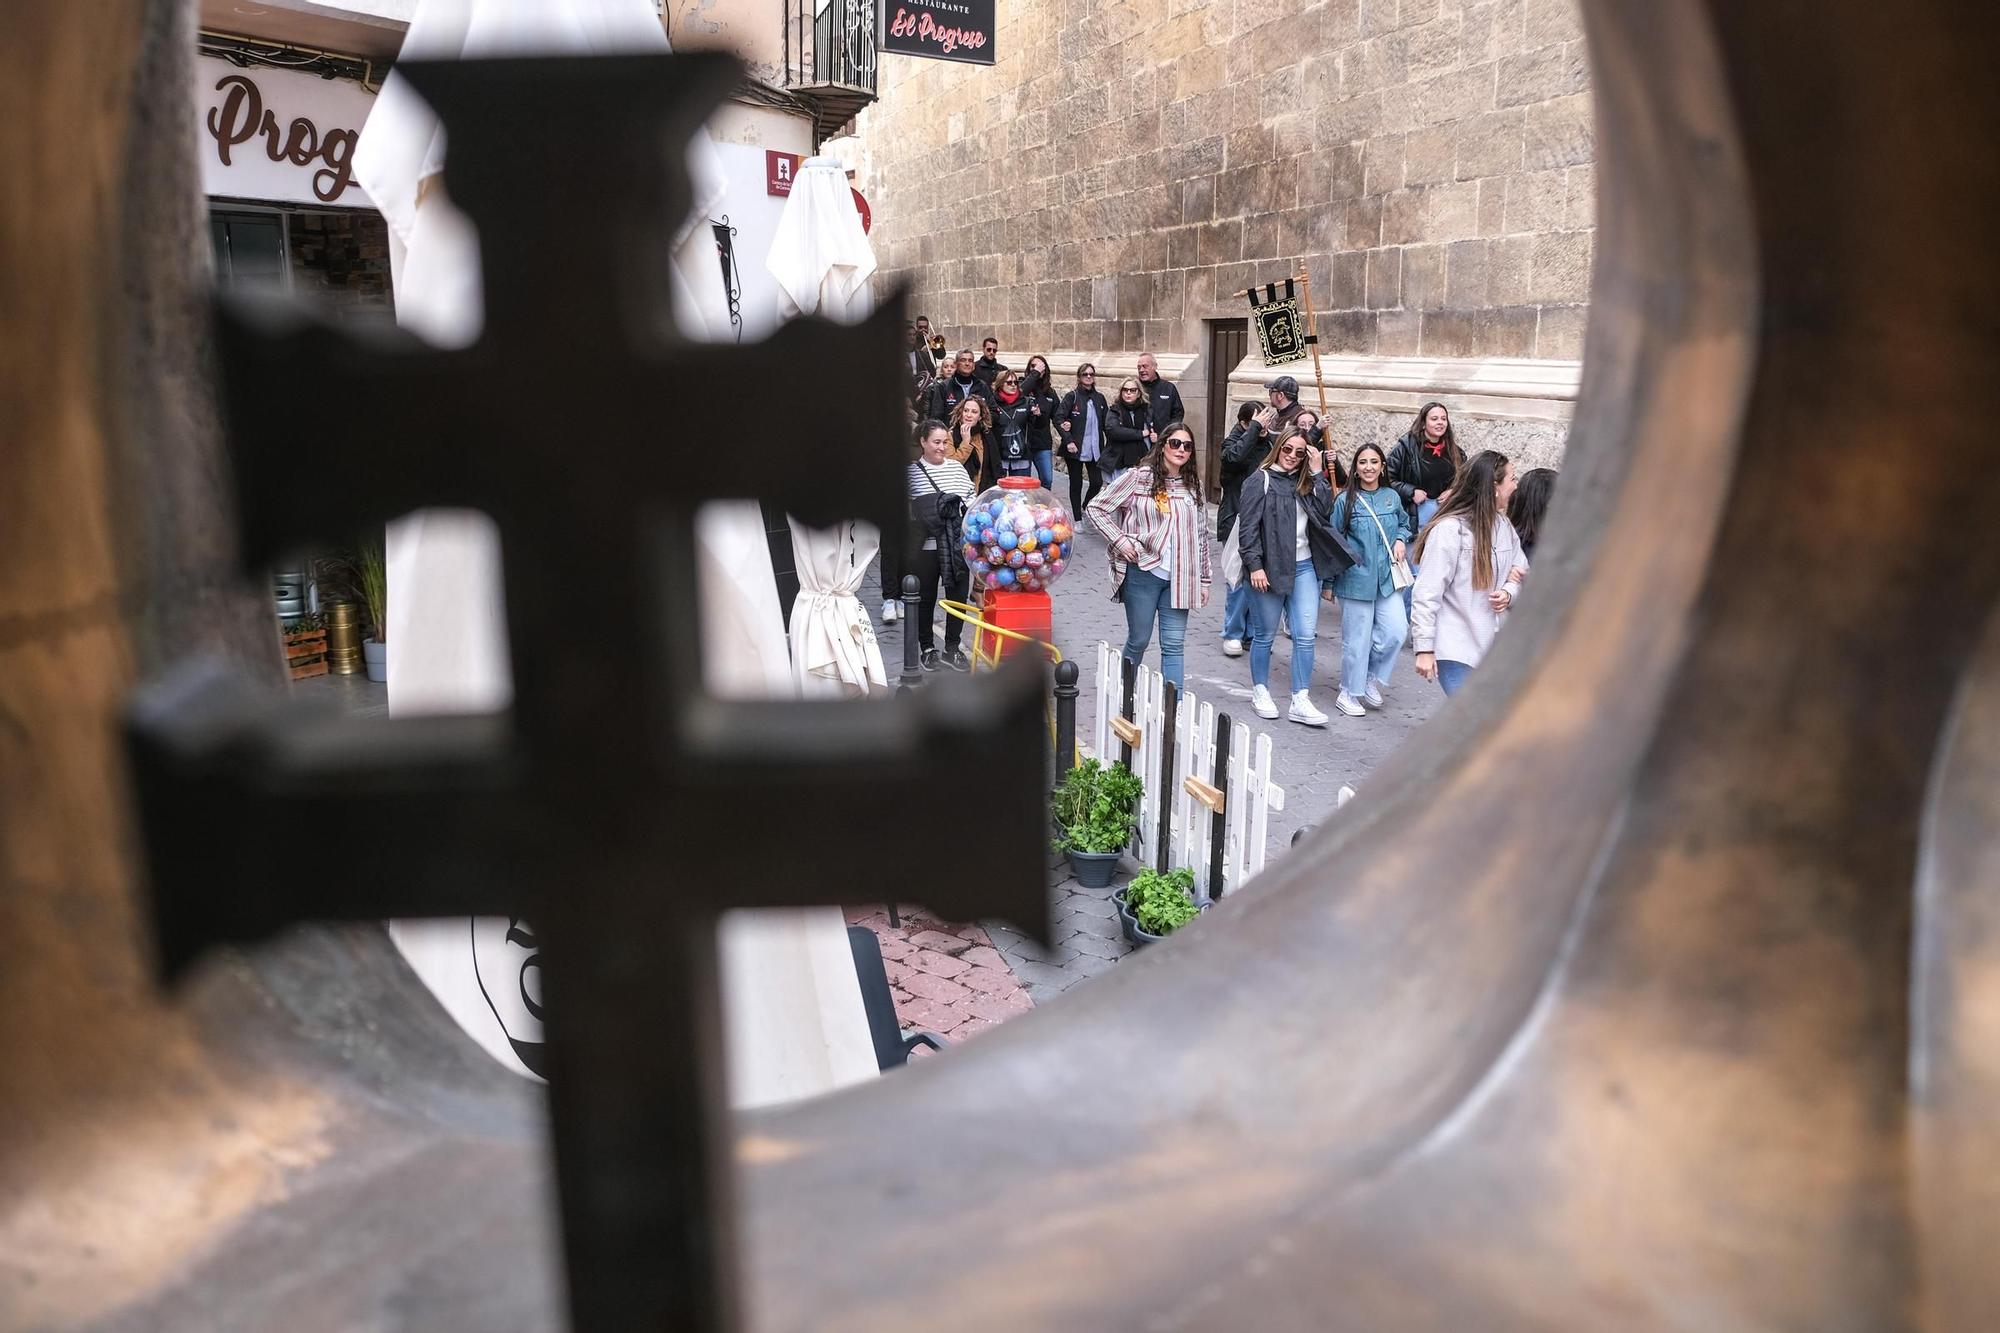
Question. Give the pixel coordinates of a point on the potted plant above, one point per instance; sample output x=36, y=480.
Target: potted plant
x=371, y=580
x=1094, y=814
x=305, y=646
x=1154, y=905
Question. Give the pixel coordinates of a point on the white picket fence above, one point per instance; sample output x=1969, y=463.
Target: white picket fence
x=1247, y=793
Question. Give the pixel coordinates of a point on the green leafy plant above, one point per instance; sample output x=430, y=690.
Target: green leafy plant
x=371, y=580
x=1162, y=904
x=310, y=623
x=1093, y=809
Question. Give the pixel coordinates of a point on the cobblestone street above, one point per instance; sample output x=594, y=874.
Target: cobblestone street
x=1310, y=763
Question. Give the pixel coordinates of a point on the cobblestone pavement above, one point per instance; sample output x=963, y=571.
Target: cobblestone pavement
x=1310, y=763
x=946, y=978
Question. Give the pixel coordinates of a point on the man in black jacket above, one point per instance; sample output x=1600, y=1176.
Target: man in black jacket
x=989, y=362
x=1240, y=456
x=1163, y=400
x=946, y=394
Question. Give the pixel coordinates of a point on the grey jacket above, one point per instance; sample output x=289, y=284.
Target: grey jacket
x=1267, y=528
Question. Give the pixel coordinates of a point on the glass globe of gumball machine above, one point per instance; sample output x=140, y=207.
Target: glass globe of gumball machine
x=1018, y=538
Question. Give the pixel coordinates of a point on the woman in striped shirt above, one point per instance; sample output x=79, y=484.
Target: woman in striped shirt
x=1153, y=518
x=934, y=558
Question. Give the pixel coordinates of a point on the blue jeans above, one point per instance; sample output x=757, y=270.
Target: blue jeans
x=1236, y=613
x=1045, y=468
x=1371, y=635
x=1146, y=595
x=1425, y=512
x=1301, y=607
x=1452, y=676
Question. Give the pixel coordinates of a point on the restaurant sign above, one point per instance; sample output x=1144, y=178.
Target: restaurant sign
x=959, y=30
x=278, y=135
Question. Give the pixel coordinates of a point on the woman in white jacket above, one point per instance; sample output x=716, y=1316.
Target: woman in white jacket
x=1470, y=564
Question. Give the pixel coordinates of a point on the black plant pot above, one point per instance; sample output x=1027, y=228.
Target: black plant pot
x=1138, y=935
x=1093, y=870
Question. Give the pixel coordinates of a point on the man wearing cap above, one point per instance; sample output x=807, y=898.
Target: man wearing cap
x=1271, y=422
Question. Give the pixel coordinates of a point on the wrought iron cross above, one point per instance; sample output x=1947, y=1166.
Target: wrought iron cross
x=617, y=805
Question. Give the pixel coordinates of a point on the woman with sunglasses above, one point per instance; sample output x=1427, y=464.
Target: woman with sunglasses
x=1285, y=533
x=1129, y=428
x=1012, y=454
x=1081, y=419
x=1154, y=520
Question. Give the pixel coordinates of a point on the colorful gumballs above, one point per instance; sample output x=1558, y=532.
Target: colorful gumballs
x=1006, y=577
x=1027, y=544
x=1008, y=541
x=1015, y=559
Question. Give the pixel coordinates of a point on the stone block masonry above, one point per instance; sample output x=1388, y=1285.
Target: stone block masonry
x=1126, y=167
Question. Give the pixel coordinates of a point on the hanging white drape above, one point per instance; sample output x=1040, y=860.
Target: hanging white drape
x=822, y=262
x=834, y=651
x=792, y=1005
x=821, y=256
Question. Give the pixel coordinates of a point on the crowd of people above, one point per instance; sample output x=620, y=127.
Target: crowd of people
x=1419, y=543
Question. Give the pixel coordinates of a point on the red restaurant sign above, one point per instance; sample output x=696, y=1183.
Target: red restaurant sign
x=781, y=169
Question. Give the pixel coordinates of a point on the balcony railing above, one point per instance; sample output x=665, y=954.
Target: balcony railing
x=830, y=56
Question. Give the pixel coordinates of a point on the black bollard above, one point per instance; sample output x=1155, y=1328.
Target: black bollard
x=1066, y=692
x=913, y=671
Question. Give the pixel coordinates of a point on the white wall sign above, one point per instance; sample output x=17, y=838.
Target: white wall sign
x=279, y=135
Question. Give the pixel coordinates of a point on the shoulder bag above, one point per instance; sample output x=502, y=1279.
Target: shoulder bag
x=1400, y=576
x=940, y=515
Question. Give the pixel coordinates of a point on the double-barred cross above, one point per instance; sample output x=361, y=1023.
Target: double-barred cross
x=617, y=805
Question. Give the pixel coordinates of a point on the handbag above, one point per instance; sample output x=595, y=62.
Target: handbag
x=1232, y=557
x=939, y=515
x=1400, y=576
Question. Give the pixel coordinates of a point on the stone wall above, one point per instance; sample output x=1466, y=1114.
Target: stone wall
x=1125, y=168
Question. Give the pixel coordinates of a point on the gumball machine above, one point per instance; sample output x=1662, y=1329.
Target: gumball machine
x=1018, y=538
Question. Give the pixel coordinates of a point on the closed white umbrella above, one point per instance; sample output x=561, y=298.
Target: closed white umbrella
x=822, y=261
x=834, y=651
x=793, y=1006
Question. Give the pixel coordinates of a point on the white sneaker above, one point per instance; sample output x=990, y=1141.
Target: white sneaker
x=1262, y=703
x=891, y=610
x=1232, y=647
x=1345, y=703
x=1373, y=698
x=1303, y=710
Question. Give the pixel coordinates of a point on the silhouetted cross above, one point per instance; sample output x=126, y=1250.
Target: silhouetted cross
x=617, y=805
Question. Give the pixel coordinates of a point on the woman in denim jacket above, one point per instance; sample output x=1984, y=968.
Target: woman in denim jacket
x=1372, y=518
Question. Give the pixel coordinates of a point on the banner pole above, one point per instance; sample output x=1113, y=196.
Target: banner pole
x=1312, y=340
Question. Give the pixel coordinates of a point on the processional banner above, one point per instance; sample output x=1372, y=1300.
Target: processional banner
x=1281, y=330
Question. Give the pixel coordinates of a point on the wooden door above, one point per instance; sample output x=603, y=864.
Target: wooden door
x=1228, y=344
